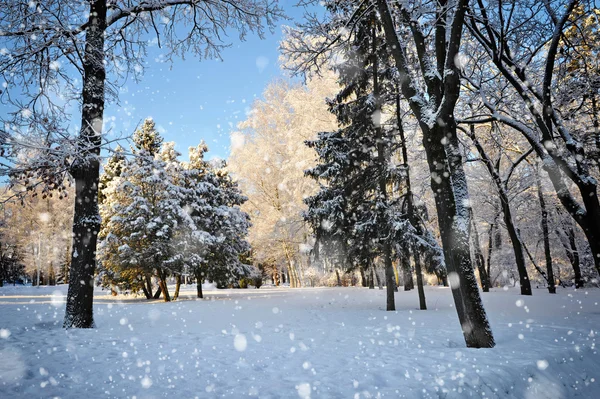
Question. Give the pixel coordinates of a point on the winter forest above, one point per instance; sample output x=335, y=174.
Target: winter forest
x=405, y=206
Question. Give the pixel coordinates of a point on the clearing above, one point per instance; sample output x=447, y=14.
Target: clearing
x=286, y=343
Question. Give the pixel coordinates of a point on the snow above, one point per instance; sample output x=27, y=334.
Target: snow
x=309, y=342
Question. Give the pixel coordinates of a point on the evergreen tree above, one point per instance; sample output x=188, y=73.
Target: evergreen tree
x=354, y=206
x=141, y=213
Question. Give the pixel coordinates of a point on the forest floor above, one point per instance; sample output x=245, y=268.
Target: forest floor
x=286, y=343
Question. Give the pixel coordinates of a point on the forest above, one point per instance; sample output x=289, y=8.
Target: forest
x=407, y=146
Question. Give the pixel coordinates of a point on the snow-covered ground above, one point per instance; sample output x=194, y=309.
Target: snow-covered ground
x=286, y=343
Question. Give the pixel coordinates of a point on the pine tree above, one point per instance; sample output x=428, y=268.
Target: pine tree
x=353, y=205
x=141, y=212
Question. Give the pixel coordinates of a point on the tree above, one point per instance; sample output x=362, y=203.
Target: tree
x=217, y=240
x=523, y=42
x=353, y=205
x=501, y=184
x=437, y=122
x=268, y=158
x=103, y=38
x=142, y=209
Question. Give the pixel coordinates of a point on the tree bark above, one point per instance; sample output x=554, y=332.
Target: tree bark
x=148, y=284
x=407, y=276
x=145, y=291
x=177, y=286
x=379, y=283
x=420, y=289
x=546, y=235
x=162, y=275
x=86, y=171
x=372, y=280
x=479, y=261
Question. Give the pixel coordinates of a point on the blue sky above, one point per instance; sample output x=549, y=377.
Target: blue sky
x=192, y=100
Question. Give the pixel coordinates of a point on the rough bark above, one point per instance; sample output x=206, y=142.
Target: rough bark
x=372, y=281
x=145, y=291
x=86, y=171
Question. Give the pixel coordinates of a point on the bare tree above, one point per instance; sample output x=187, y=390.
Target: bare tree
x=523, y=41
x=501, y=184
x=94, y=38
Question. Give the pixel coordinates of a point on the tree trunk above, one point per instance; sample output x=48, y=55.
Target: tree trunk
x=162, y=275
x=51, y=275
x=515, y=238
x=379, y=283
x=372, y=280
x=339, y=280
x=158, y=292
x=448, y=181
x=489, y=252
x=145, y=291
x=407, y=275
x=479, y=261
x=390, y=279
x=546, y=235
x=570, y=247
x=420, y=289
x=363, y=277
x=177, y=286
x=199, y=279
x=148, y=285
x=85, y=170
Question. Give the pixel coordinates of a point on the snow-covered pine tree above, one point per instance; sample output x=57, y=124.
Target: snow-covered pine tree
x=353, y=204
x=216, y=237
x=195, y=243
x=141, y=212
x=230, y=227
